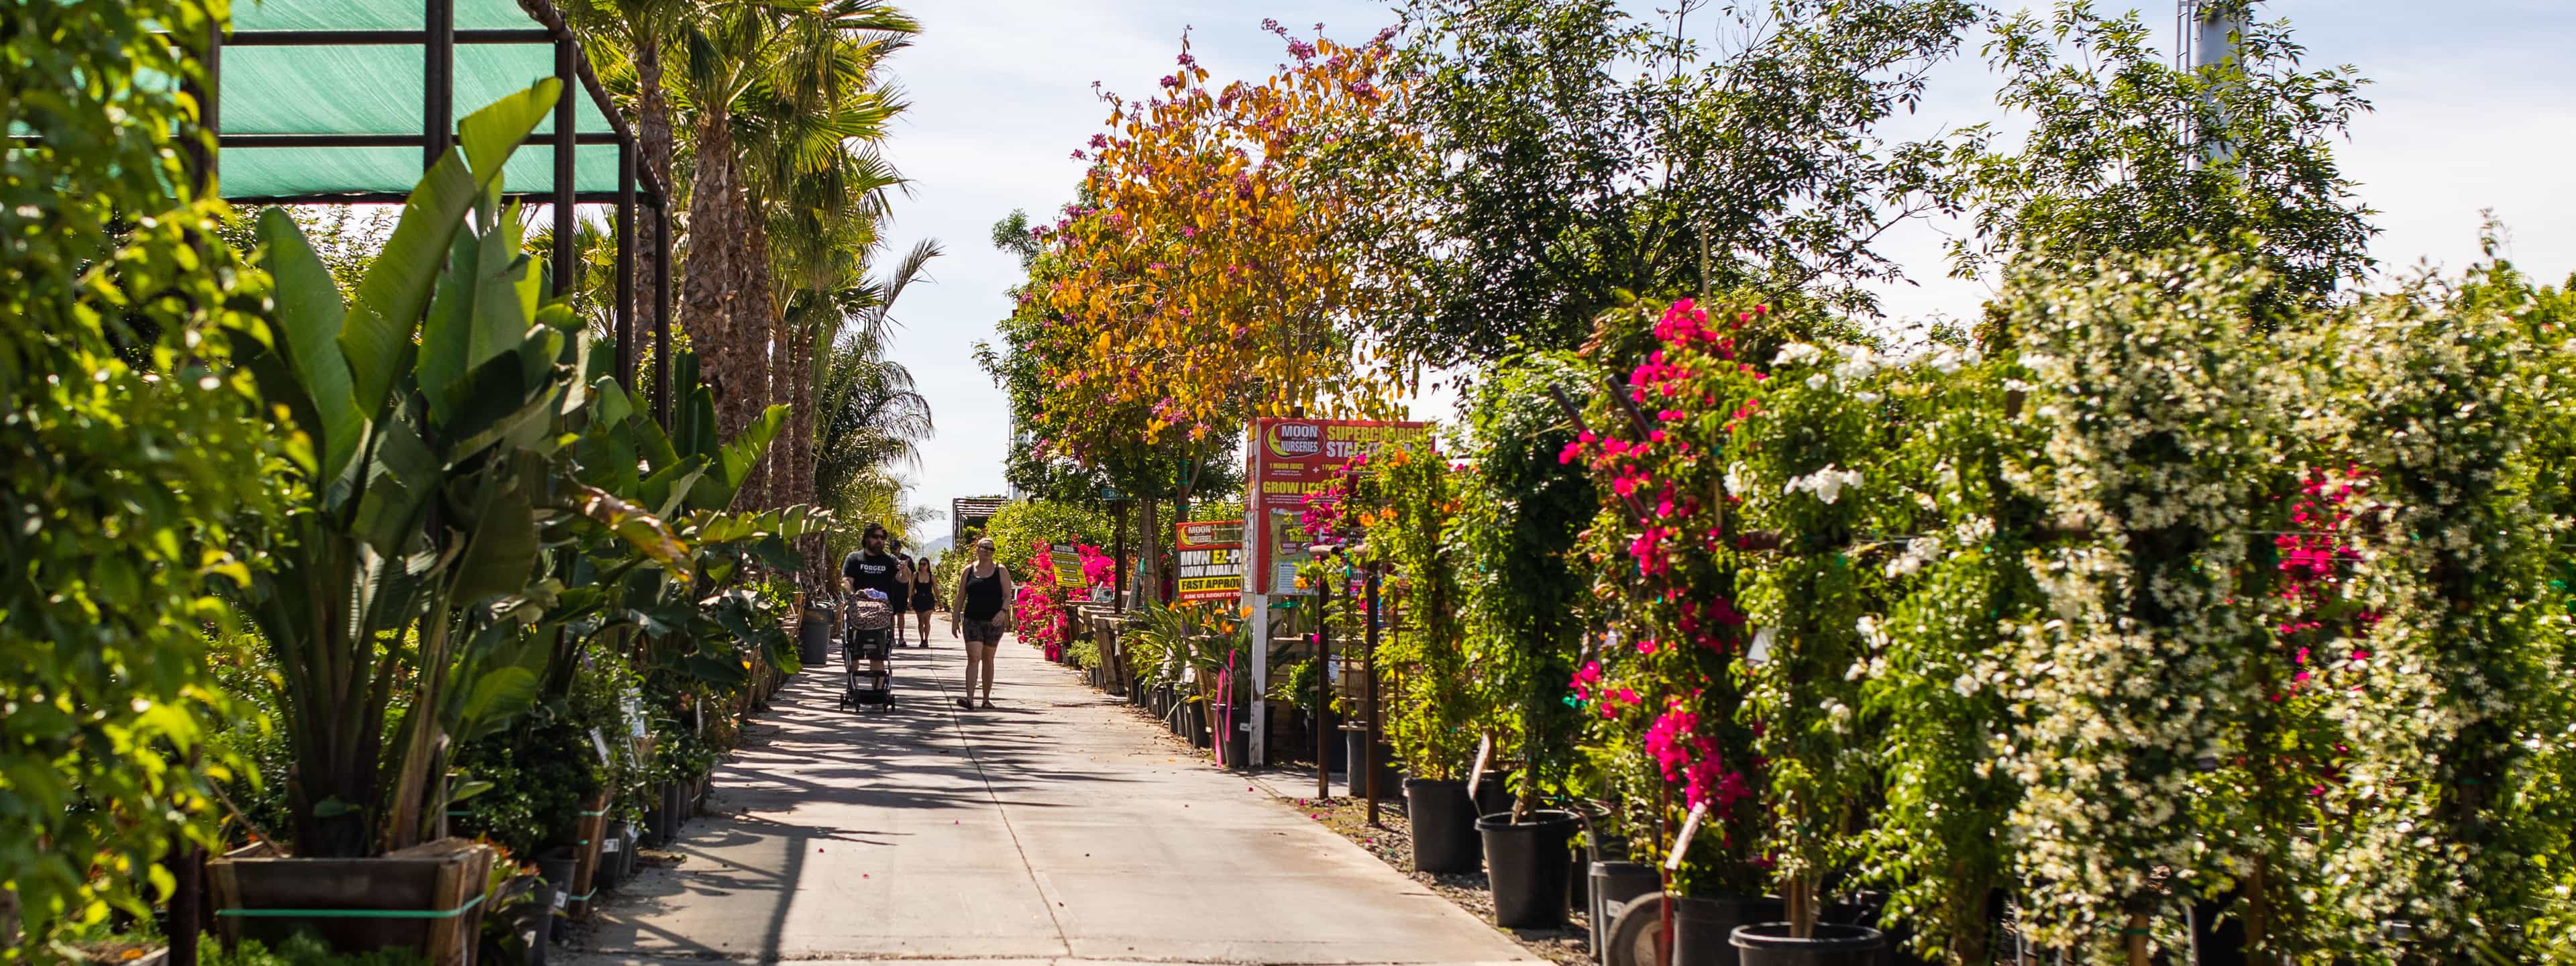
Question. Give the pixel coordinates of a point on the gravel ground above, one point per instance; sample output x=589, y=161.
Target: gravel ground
x=1349, y=816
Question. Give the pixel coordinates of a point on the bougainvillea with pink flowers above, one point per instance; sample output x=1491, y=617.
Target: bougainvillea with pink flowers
x=1037, y=611
x=1659, y=690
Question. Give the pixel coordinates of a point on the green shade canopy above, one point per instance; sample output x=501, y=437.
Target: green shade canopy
x=375, y=86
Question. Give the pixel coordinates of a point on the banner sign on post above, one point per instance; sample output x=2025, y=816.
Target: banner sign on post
x=1068, y=567
x=1292, y=458
x=1211, y=560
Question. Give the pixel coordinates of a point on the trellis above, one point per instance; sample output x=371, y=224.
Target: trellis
x=350, y=101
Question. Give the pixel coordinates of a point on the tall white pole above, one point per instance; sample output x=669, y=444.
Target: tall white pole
x=2210, y=31
x=1256, y=598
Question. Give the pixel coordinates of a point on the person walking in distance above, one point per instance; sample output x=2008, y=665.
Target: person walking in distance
x=980, y=611
x=902, y=600
x=925, y=599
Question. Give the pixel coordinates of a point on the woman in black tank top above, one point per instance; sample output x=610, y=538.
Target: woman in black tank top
x=980, y=611
x=923, y=600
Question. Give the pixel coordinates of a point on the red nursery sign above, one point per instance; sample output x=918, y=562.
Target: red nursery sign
x=1291, y=458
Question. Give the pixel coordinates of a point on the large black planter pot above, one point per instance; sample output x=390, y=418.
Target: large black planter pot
x=535, y=922
x=1198, y=725
x=555, y=866
x=814, y=638
x=628, y=841
x=1526, y=864
x=1769, y=944
x=516, y=936
x=1493, y=793
x=1614, y=884
x=1354, y=746
x=675, y=808
x=1443, y=822
x=1238, y=744
x=1701, y=927
x=654, y=832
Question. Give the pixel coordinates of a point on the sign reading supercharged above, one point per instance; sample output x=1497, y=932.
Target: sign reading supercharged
x=1292, y=458
x=1211, y=560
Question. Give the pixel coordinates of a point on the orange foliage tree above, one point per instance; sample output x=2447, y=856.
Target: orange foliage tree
x=1228, y=243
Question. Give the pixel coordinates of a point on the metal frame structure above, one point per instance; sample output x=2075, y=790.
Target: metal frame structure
x=439, y=38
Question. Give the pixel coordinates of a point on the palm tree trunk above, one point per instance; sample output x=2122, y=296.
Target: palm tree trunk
x=757, y=336
x=707, y=296
x=653, y=134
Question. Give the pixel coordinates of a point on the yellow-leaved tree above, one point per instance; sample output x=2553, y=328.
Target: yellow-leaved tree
x=1228, y=243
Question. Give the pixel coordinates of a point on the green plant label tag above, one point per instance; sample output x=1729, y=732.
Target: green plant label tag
x=600, y=745
x=1681, y=842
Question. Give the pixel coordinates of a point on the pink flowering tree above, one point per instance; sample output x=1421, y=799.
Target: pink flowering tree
x=1037, y=612
x=1667, y=722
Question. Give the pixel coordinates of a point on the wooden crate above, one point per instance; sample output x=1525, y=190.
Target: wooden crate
x=427, y=898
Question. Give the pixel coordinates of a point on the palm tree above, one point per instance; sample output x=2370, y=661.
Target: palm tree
x=629, y=41
x=869, y=414
x=783, y=75
x=822, y=190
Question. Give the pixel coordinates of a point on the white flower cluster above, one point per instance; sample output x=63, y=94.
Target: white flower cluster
x=1827, y=484
x=1918, y=552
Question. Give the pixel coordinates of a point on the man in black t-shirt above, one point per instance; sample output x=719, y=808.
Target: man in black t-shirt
x=871, y=568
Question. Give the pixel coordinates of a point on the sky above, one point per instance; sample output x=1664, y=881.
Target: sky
x=2474, y=109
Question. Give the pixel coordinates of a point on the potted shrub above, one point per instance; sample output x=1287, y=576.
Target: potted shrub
x=1522, y=511
x=429, y=500
x=1424, y=690
x=1668, y=737
x=1811, y=464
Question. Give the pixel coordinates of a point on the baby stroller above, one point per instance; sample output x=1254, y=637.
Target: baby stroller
x=867, y=636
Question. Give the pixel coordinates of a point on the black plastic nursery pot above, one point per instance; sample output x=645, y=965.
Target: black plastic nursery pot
x=1703, y=927
x=660, y=823
x=1770, y=944
x=528, y=925
x=1198, y=725
x=535, y=922
x=675, y=804
x=1493, y=793
x=556, y=867
x=1615, y=884
x=1238, y=744
x=1354, y=747
x=616, y=854
x=1526, y=864
x=1443, y=822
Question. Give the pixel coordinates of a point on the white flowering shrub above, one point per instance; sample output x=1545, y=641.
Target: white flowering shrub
x=1801, y=465
x=2456, y=705
x=1935, y=842
x=2159, y=430
x=2145, y=613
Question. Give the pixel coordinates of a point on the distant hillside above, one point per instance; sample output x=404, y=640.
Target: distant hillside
x=937, y=547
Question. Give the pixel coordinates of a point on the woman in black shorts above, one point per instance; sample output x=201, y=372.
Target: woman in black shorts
x=980, y=611
x=924, y=600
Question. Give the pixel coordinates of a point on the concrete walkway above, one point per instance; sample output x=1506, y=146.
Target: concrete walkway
x=1057, y=827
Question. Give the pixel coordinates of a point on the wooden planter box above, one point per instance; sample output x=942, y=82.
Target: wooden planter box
x=587, y=834
x=426, y=898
